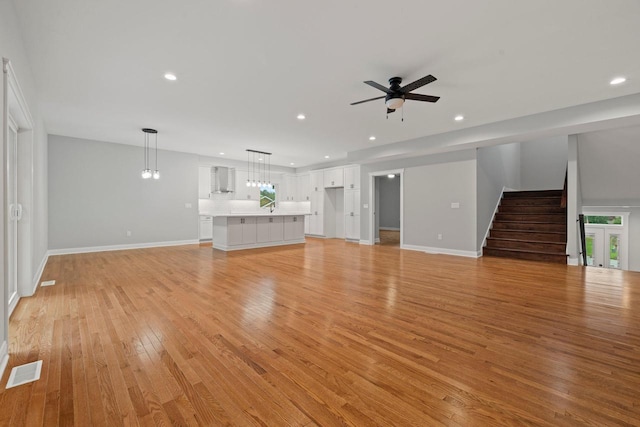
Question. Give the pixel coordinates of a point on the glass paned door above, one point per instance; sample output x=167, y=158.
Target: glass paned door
x=604, y=247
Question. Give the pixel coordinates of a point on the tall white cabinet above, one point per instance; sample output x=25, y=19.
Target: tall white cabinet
x=352, y=203
x=316, y=219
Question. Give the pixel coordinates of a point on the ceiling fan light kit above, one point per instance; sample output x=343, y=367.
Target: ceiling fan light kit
x=396, y=94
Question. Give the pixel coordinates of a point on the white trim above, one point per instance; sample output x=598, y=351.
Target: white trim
x=623, y=229
x=572, y=261
x=38, y=275
x=372, y=202
x=4, y=358
x=389, y=228
x=377, y=240
x=365, y=242
x=442, y=251
x=495, y=211
x=13, y=303
x=14, y=86
x=70, y=251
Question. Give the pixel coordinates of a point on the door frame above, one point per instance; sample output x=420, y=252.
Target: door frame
x=623, y=230
x=372, y=203
x=15, y=109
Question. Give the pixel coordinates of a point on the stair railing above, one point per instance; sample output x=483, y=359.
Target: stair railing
x=583, y=241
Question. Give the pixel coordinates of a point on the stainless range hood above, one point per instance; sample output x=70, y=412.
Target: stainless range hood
x=222, y=179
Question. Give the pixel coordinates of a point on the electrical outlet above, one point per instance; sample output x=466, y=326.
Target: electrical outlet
x=455, y=205
x=439, y=236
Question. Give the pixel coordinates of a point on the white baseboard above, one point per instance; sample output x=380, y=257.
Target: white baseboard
x=377, y=240
x=4, y=357
x=38, y=275
x=258, y=245
x=495, y=211
x=442, y=251
x=365, y=242
x=389, y=228
x=13, y=304
x=70, y=251
x=572, y=261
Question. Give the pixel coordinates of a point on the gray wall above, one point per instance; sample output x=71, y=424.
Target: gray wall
x=498, y=168
x=389, y=199
x=543, y=163
x=431, y=183
x=96, y=194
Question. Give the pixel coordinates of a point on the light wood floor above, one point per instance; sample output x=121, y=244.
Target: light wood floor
x=328, y=333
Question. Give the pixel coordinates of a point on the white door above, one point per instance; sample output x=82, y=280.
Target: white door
x=605, y=247
x=14, y=214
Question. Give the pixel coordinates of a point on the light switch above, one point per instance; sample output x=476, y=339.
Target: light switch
x=455, y=205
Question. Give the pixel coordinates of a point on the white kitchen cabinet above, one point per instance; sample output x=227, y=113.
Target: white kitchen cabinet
x=304, y=188
x=206, y=228
x=269, y=229
x=352, y=214
x=241, y=230
x=316, y=219
x=294, y=227
x=352, y=177
x=242, y=191
x=333, y=178
x=289, y=188
x=204, y=182
x=317, y=180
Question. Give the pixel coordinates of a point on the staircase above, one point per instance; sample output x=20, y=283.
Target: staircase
x=530, y=225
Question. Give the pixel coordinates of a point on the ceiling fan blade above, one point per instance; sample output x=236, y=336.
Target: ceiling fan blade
x=377, y=86
x=390, y=110
x=418, y=97
x=418, y=83
x=367, y=100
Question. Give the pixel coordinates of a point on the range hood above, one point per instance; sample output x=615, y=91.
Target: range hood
x=222, y=179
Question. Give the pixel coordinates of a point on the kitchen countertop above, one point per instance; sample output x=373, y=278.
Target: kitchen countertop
x=245, y=214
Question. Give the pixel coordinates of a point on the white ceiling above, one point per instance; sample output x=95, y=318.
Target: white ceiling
x=246, y=68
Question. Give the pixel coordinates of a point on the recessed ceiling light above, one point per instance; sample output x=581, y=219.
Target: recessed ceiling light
x=222, y=154
x=617, y=81
x=170, y=76
x=301, y=116
x=326, y=157
x=459, y=118
x=372, y=138
x=292, y=163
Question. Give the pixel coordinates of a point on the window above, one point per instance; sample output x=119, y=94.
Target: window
x=604, y=220
x=267, y=196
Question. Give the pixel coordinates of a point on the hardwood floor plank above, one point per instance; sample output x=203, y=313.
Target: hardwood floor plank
x=326, y=333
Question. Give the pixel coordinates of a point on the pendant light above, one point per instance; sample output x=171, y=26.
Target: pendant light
x=260, y=177
x=146, y=172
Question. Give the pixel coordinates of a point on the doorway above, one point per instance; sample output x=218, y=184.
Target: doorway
x=606, y=238
x=386, y=192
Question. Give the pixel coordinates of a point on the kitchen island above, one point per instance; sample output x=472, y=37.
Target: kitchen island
x=233, y=232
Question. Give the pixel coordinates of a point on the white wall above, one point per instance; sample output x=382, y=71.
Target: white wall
x=96, y=195
x=389, y=199
x=543, y=163
x=11, y=47
x=498, y=167
x=431, y=184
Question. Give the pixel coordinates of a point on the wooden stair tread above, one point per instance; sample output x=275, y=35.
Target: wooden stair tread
x=525, y=251
x=526, y=241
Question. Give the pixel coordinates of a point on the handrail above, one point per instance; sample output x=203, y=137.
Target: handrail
x=563, y=201
x=583, y=242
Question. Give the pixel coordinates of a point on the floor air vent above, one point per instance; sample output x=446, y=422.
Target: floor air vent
x=25, y=374
x=48, y=283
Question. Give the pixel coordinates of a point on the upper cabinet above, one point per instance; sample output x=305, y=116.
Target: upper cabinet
x=317, y=180
x=304, y=188
x=204, y=182
x=334, y=177
x=242, y=191
x=352, y=177
x=289, y=188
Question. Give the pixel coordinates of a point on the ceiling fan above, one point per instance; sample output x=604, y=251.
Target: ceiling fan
x=396, y=94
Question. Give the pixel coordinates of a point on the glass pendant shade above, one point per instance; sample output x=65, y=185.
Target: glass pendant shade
x=156, y=174
x=146, y=174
